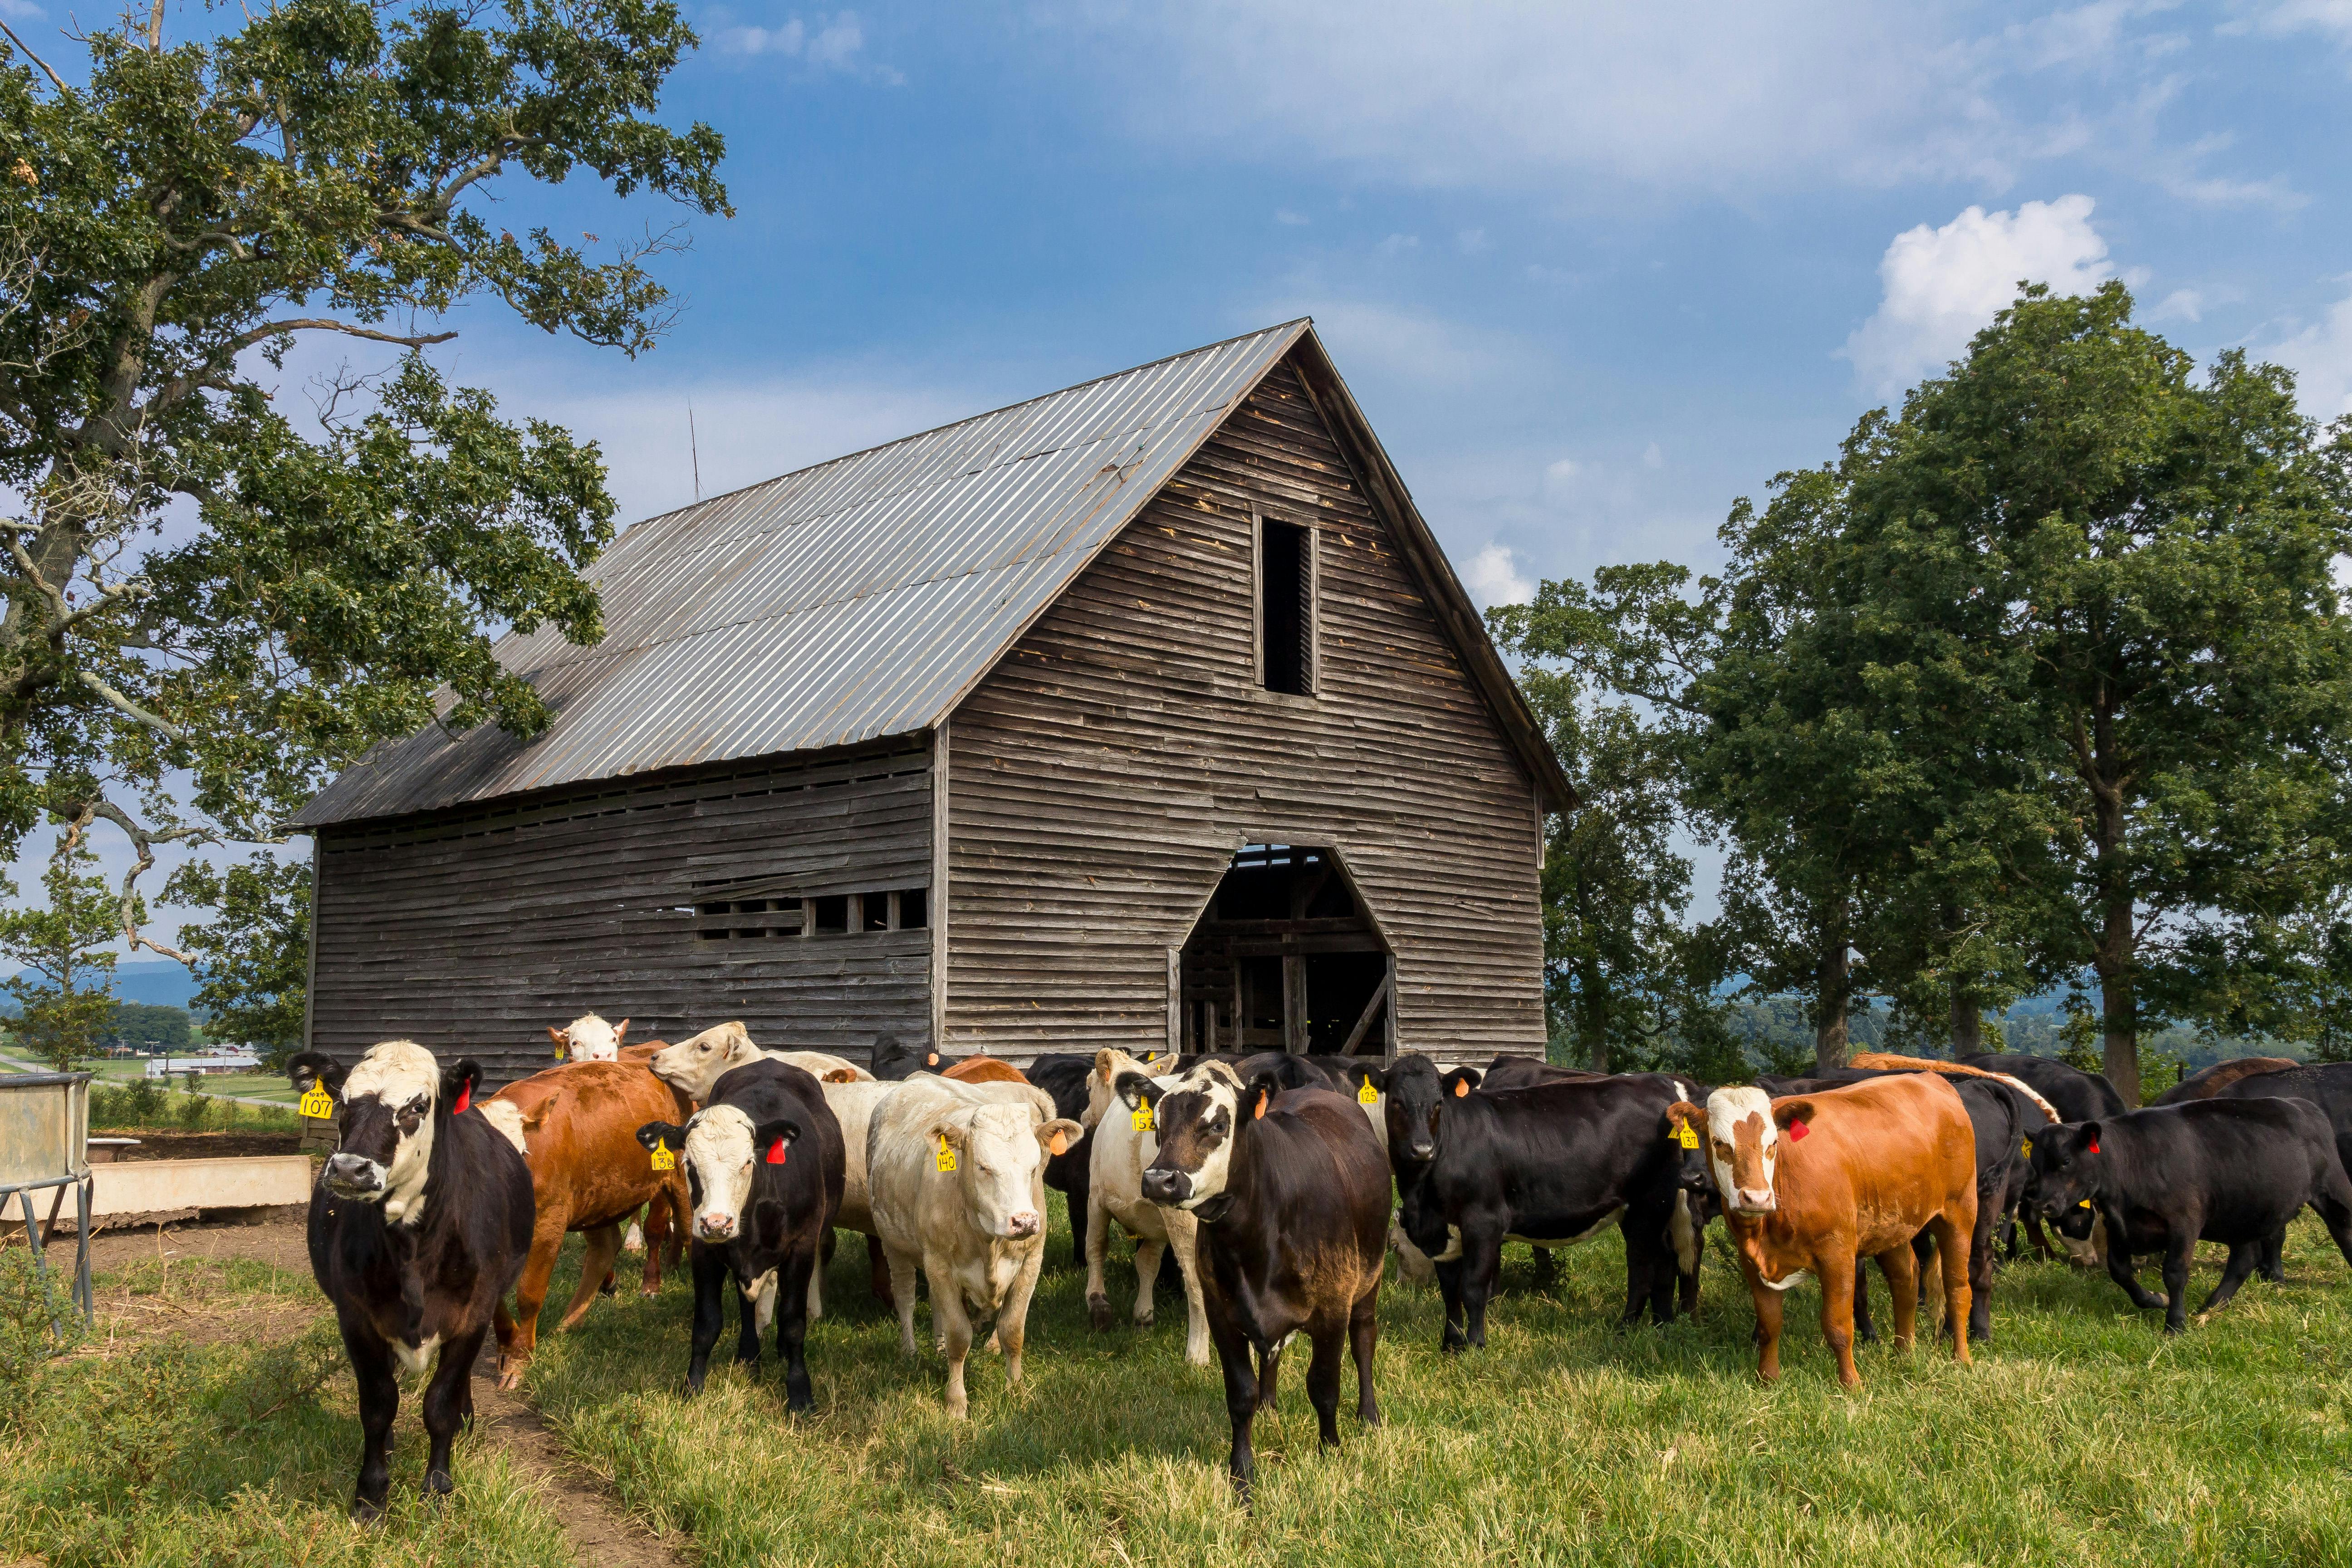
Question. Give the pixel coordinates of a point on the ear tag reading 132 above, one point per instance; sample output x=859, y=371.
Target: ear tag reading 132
x=1141, y=1119
x=663, y=1159
x=1366, y=1094
x=1686, y=1135
x=316, y=1102
x=946, y=1155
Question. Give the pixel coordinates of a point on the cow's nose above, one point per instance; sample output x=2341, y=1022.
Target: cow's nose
x=1756, y=1200
x=1024, y=1223
x=712, y=1226
x=355, y=1171
x=1421, y=1149
x=1166, y=1186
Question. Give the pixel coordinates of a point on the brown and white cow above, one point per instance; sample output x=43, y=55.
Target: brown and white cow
x=576, y=1127
x=957, y=1179
x=1124, y=1142
x=588, y=1038
x=985, y=1069
x=1811, y=1184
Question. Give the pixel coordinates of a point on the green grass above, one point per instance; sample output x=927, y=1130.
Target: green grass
x=2082, y=1436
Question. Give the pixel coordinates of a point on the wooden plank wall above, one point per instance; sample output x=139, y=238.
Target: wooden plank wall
x=1106, y=769
x=475, y=930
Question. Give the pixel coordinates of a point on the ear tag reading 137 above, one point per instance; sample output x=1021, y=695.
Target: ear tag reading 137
x=317, y=1103
x=663, y=1159
x=946, y=1155
x=1141, y=1119
x=1366, y=1094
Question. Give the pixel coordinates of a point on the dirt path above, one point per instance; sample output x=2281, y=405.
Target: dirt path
x=600, y=1534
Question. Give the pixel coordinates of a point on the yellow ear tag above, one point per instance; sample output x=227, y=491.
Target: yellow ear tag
x=562, y=1050
x=2028, y=1150
x=2083, y=1204
x=317, y=1103
x=1366, y=1094
x=663, y=1159
x=1141, y=1119
x=946, y=1155
x=1686, y=1135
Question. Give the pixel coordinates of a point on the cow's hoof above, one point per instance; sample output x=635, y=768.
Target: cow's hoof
x=366, y=1512
x=1146, y=1321
x=510, y=1378
x=438, y=1485
x=1099, y=1312
x=650, y=1291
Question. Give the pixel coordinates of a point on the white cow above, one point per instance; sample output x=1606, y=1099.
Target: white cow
x=1124, y=1144
x=588, y=1038
x=692, y=1065
x=957, y=1184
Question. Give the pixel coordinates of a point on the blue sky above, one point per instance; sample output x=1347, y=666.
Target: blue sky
x=1592, y=272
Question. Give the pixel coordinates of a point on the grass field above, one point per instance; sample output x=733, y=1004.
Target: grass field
x=2082, y=1436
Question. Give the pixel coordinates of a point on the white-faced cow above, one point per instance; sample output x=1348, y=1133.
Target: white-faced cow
x=763, y=1170
x=1292, y=1197
x=1125, y=1140
x=956, y=1174
x=588, y=1038
x=419, y=1224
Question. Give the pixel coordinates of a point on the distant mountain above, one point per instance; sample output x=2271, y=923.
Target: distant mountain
x=158, y=981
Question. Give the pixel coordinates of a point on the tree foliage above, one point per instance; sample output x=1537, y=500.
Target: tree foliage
x=253, y=959
x=65, y=989
x=202, y=585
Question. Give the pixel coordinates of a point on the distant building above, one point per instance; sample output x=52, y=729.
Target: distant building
x=1145, y=714
x=210, y=1064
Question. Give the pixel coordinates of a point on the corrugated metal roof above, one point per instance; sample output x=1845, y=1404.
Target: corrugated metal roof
x=838, y=604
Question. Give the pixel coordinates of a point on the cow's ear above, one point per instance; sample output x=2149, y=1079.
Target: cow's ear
x=1258, y=1094
x=770, y=1139
x=458, y=1081
x=317, y=1067
x=1059, y=1134
x=656, y=1134
x=1136, y=1089
x=952, y=1131
x=841, y=1075
x=1460, y=1081
x=620, y=1029
x=1682, y=1113
x=1362, y=1073
x=1106, y=1063
x=2086, y=1138
x=562, y=1041
x=1795, y=1117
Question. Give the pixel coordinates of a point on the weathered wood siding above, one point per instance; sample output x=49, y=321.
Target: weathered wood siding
x=1104, y=773
x=475, y=929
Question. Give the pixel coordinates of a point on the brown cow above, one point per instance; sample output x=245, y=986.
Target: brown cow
x=985, y=1070
x=1811, y=1184
x=577, y=1127
x=2207, y=1082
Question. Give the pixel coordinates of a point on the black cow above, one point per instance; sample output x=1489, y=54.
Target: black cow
x=1292, y=1199
x=1519, y=1072
x=2207, y=1082
x=2232, y=1170
x=2003, y=1122
x=2329, y=1087
x=420, y=1222
x=1550, y=1163
x=765, y=1169
x=2078, y=1096
x=893, y=1060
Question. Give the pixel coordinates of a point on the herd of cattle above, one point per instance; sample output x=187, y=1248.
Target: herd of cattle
x=1277, y=1185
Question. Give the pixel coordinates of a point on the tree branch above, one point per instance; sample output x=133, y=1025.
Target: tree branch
x=54, y=79
x=144, y=842
x=129, y=709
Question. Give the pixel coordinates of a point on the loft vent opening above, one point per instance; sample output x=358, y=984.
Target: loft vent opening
x=1286, y=607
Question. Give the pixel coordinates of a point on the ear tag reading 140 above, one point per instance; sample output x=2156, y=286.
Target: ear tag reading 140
x=1686, y=1135
x=1141, y=1120
x=663, y=1159
x=317, y=1103
x=946, y=1155
x=1366, y=1094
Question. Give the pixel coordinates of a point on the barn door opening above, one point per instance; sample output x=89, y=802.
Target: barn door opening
x=1286, y=958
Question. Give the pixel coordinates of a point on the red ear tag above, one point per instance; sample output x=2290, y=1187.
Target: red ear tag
x=1798, y=1130
x=465, y=1098
x=2094, y=1146
x=776, y=1153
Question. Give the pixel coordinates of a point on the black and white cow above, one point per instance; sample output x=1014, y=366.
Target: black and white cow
x=764, y=1170
x=1292, y=1197
x=1551, y=1163
x=2232, y=1170
x=421, y=1221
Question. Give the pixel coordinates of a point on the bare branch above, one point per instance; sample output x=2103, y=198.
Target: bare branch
x=144, y=841
x=230, y=242
x=130, y=710
x=155, y=28
x=54, y=79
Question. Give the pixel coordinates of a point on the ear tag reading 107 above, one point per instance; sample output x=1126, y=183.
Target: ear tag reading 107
x=663, y=1159
x=1366, y=1094
x=1143, y=1118
x=946, y=1155
x=1686, y=1135
x=317, y=1103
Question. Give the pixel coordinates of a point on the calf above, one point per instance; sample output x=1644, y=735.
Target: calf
x=1550, y=1163
x=1124, y=1142
x=956, y=1174
x=2207, y=1082
x=1811, y=1184
x=588, y=1038
x=761, y=1215
x=576, y=1127
x=420, y=1222
x=2226, y=1169
x=1292, y=1199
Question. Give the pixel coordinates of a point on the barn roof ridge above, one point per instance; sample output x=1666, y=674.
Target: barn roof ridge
x=866, y=595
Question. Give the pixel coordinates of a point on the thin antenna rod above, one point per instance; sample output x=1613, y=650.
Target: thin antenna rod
x=693, y=447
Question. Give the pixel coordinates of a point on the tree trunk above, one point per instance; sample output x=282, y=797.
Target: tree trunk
x=1834, y=977
x=1592, y=1015
x=1968, y=1023
x=2119, y=1007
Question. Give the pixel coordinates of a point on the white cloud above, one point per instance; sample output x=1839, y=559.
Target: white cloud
x=19, y=11
x=1297, y=220
x=2180, y=305
x=1560, y=479
x=2321, y=357
x=1473, y=242
x=1493, y=577
x=1943, y=284
x=788, y=39
x=831, y=43
x=1373, y=340
x=1397, y=243
x=1653, y=456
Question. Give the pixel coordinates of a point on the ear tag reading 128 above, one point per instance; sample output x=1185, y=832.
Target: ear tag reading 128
x=1366, y=1094
x=946, y=1155
x=317, y=1103
x=663, y=1159
x=1686, y=1135
x=1141, y=1120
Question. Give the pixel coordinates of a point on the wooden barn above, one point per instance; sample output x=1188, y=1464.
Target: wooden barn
x=1145, y=714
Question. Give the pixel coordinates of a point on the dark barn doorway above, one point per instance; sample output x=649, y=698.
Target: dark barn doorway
x=1286, y=958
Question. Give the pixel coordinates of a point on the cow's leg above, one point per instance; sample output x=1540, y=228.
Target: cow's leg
x=1323, y=1380
x=1646, y=1274
x=1363, y=1335
x=1085, y=1218
x=794, y=1290
x=2179, y=1251
x=1449, y=1285
x=751, y=1314
x=711, y=1273
x=2121, y=1269
x=2244, y=1257
x=595, y=1265
x=655, y=1235
x=1768, y=1328
x=2333, y=1204
x=1183, y=1241
x=901, y=1294
x=1865, y=1332
x=1482, y=1264
x=954, y=1325
x=445, y=1407
x=1241, y=1400
x=1098, y=1245
x=531, y=1294
x=1148, y=1254
x=1980, y=1267
x=1955, y=1231
x=1547, y=1264
x=1012, y=1315
x=2272, y=1266
x=877, y=1272
x=1900, y=1264
x=1269, y=1366
x=1690, y=1253
x=1836, y=1270
x=378, y=1390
